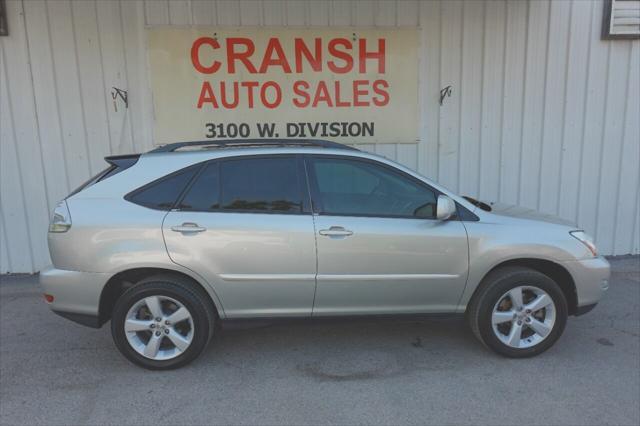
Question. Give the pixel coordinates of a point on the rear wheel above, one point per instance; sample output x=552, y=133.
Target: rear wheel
x=162, y=322
x=518, y=312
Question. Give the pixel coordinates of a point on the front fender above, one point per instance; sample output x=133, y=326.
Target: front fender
x=492, y=244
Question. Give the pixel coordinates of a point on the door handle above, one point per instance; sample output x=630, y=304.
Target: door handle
x=188, y=227
x=335, y=231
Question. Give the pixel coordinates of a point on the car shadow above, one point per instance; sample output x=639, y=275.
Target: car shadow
x=345, y=349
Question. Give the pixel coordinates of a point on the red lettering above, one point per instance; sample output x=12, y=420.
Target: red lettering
x=223, y=95
x=322, y=95
x=250, y=85
x=340, y=54
x=363, y=55
x=339, y=103
x=243, y=57
x=315, y=60
x=307, y=56
x=263, y=94
x=195, y=55
x=379, y=87
x=274, y=46
x=207, y=96
x=298, y=87
x=357, y=92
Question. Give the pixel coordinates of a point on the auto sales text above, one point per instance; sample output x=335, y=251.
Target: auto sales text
x=339, y=56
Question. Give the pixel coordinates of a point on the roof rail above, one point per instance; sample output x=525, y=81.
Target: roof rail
x=248, y=143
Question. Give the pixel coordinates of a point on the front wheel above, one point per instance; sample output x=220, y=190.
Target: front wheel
x=162, y=323
x=518, y=312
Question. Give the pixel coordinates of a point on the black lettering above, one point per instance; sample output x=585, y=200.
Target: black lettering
x=301, y=127
x=355, y=126
x=221, y=133
x=367, y=128
x=344, y=129
x=324, y=129
x=313, y=129
x=334, y=129
x=292, y=129
x=244, y=130
x=265, y=129
x=232, y=130
x=211, y=130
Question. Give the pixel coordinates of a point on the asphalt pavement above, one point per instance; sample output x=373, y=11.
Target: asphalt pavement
x=407, y=371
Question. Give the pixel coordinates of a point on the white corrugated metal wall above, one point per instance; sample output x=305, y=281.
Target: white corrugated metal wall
x=543, y=113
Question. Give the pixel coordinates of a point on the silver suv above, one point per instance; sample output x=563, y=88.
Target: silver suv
x=169, y=243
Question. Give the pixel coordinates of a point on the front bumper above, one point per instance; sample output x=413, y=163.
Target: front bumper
x=76, y=295
x=591, y=277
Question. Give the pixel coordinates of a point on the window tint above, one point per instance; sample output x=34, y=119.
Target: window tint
x=352, y=187
x=204, y=194
x=163, y=193
x=261, y=185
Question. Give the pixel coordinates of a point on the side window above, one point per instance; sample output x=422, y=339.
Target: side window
x=361, y=188
x=163, y=193
x=204, y=194
x=269, y=184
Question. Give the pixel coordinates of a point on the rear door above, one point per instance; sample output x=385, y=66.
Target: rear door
x=380, y=248
x=245, y=226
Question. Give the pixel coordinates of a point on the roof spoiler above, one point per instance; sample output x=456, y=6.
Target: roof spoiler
x=117, y=164
x=122, y=161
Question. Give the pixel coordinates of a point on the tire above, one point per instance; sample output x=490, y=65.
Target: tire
x=164, y=344
x=497, y=300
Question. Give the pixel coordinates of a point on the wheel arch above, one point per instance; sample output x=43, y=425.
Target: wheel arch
x=123, y=280
x=558, y=273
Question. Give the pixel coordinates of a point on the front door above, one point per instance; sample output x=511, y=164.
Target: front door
x=380, y=248
x=245, y=226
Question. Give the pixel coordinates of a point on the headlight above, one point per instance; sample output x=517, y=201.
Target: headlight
x=61, y=219
x=585, y=239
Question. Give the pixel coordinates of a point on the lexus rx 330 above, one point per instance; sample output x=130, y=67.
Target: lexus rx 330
x=168, y=243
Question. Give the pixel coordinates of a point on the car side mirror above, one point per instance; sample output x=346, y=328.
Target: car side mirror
x=446, y=208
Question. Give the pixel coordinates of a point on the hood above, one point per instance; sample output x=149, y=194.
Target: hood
x=520, y=212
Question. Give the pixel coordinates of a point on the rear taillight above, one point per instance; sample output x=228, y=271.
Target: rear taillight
x=61, y=218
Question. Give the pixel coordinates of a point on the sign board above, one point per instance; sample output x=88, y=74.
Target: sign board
x=348, y=85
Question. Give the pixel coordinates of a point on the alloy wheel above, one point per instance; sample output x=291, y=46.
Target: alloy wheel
x=159, y=327
x=523, y=317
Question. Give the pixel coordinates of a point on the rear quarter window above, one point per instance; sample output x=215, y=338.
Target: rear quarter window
x=204, y=193
x=163, y=193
